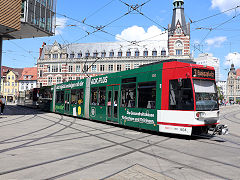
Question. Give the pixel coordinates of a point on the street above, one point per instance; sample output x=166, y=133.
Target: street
x=40, y=145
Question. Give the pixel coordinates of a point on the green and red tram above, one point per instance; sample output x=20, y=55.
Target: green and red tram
x=169, y=96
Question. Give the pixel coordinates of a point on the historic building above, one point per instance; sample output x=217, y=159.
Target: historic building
x=233, y=85
x=10, y=83
x=207, y=59
x=222, y=85
x=60, y=63
x=28, y=79
x=179, y=32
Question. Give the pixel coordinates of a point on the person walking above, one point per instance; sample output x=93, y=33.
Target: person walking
x=2, y=103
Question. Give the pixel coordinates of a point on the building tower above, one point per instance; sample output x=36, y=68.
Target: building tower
x=179, y=32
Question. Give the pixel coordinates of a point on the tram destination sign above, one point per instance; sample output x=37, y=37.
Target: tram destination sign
x=203, y=73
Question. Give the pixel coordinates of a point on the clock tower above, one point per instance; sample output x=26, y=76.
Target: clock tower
x=179, y=32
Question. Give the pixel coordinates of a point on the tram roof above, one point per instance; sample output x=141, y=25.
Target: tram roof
x=189, y=61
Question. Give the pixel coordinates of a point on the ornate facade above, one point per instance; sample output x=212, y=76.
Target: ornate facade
x=60, y=63
x=233, y=85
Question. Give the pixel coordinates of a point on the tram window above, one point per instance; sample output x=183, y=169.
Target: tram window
x=102, y=96
x=181, y=95
x=94, y=92
x=128, y=95
x=147, y=95
x=129, y=80
x=77, y=96
x=60, y=97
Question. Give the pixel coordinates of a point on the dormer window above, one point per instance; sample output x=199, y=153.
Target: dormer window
x=95, y=54
x=71, y=56
x=55, y=56
x=163, y=52
x=111, y=54
x=137, y=53
x=87, y=54
x=145, y=52
x=80, y=55
x=128, y=53
x=154, y=52
x=103, y=54
x=120, y=53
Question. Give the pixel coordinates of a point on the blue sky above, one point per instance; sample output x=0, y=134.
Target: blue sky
x=219, y=35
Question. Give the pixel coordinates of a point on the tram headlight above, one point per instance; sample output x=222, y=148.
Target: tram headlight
x=200, y=114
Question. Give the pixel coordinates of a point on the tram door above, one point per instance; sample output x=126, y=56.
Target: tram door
x=67, y=101
x=113, y=103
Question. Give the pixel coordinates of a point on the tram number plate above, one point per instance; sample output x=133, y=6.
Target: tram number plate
x=183, y=129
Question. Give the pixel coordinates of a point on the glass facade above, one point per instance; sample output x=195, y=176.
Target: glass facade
x=40, y=14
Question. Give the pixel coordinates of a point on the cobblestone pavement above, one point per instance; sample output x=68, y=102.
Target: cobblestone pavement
x=39, y=145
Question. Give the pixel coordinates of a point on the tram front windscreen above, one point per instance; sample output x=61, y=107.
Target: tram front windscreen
x=206, y=95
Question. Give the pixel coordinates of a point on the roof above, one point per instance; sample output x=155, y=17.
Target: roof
x=238, y=72
x=29, y=71
x=16, y=71
x=5, y=70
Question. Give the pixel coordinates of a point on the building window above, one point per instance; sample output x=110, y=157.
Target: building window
x=12, y=77
x=49, y=81
x=145, y=53
x=178, y=51
x=31, y=86
x=55, y=56
x=94, y=68
x=101, y=67
x=59, y=79
x=95, y=54
x=136, y=66
x=154, y=53
x=54, y=68
x=40, y=73
x=15, y=84
x=49, y=68
x=85, y=68
x=60, y=68
x=103, y=54
x=119, y=67
x=78, y=68
x=79, y=55
x=110, y=67
x=12, y=83
x=70, y=68
x=111, y=54
x=87, y=54
x=127, y=66
x=137, y=53
x=49, y=56
x=69, y=78
x=163, y=52
x=71, y=56
x=119, y=53
x=9, y=77
x=128, y=53
x=77, y=78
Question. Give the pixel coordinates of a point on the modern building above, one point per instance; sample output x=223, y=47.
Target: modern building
x=28, y=80
x=10, y=84
x=233, y=85
x=59, y=63
x=207, y=59
x=223, y=88
x=26, y=19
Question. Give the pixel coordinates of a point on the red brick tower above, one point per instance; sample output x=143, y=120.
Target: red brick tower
x=179, y=32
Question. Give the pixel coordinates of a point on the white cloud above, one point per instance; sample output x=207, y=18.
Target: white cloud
x=136, y=33
x=233, y=58
x=224, y=5
x=216, y=41
x=60, y=25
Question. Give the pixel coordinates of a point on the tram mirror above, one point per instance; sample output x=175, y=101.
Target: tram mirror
x=180, y=83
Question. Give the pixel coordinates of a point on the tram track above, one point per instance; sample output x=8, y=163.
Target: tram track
x=134, y=139
x=37, y=139
x=133, y=150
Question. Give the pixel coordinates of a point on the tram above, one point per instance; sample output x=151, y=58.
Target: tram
x=170, y=97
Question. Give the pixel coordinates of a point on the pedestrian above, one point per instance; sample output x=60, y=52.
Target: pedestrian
x=2, y=103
